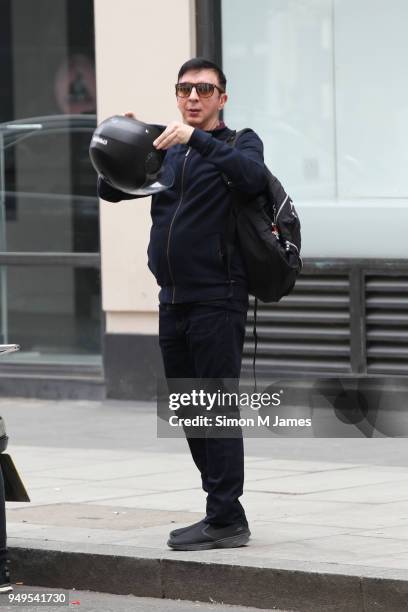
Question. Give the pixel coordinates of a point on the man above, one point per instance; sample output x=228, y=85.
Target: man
x=5, y=585
x=203, y=296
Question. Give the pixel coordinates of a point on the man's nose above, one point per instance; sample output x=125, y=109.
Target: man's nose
x=193, y=95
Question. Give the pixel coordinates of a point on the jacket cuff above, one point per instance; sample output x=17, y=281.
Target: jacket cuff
x=201, y=141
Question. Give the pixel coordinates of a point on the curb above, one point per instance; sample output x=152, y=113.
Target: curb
x=261, y=587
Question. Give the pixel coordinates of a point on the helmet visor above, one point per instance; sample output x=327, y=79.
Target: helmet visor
x=159, y=181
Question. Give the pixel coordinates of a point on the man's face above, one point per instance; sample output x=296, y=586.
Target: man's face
x=201, y=112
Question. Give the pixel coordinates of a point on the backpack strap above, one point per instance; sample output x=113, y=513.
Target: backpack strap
x=231, y=226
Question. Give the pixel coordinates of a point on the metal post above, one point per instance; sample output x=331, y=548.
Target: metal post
x=3, y=245
x=208, y=30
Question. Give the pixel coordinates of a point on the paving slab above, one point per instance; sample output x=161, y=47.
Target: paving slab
x=363, y=516
x=378, y=493
x=330, y=480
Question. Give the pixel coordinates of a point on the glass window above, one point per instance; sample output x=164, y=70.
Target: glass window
x=48, y=200
x=53, y=312
x=47, y=120
x=320, y=81
x=49, y=186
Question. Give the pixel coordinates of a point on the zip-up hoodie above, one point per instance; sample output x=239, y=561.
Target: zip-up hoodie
x=187, y=251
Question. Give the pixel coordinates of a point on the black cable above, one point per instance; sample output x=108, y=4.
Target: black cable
x=256, y=343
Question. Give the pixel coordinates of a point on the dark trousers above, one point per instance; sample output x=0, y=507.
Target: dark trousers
x=3, y=549
x=206, y=342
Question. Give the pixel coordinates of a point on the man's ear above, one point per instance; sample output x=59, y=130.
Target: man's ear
x=223, y=100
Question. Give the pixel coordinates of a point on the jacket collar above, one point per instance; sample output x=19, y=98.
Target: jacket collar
x=221, y=131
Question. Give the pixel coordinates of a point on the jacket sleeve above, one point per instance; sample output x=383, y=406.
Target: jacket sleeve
x=106, y=192
x=242, y=164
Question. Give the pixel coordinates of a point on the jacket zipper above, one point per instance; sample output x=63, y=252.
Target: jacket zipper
x=171, y=224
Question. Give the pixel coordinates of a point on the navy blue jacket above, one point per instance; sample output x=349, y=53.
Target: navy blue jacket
x=187, y=250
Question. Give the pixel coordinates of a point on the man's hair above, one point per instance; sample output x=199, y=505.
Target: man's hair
x=200, y=63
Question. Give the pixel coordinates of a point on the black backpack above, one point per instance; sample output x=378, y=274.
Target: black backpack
x=267, y=228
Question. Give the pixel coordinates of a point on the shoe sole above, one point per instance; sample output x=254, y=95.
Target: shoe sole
x=6, y=589
x=230, y=542
x=177, y=532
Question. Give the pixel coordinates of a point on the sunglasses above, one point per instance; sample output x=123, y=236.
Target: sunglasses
x=204, y=90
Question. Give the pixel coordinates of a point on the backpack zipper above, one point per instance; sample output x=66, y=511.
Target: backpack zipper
x=294, y=245
x=171, y=225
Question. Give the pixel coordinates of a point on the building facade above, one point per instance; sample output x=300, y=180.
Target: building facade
x=317, y=79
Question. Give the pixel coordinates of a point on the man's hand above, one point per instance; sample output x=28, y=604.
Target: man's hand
x=175, y=133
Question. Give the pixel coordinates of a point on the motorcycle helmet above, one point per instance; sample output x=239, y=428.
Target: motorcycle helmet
x=123, y=154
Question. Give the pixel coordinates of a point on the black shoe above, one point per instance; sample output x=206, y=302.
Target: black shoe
x=204, y=536
x=5, y=586
x=177, y=532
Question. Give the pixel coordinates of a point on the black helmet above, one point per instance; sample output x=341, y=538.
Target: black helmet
x=123, y=154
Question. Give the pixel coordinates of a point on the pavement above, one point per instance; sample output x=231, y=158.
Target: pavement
x=328, y=517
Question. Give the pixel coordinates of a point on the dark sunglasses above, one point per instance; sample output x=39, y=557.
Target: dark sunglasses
x=204, y=90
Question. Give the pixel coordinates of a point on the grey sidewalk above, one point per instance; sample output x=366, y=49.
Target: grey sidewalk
x=325, y=515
